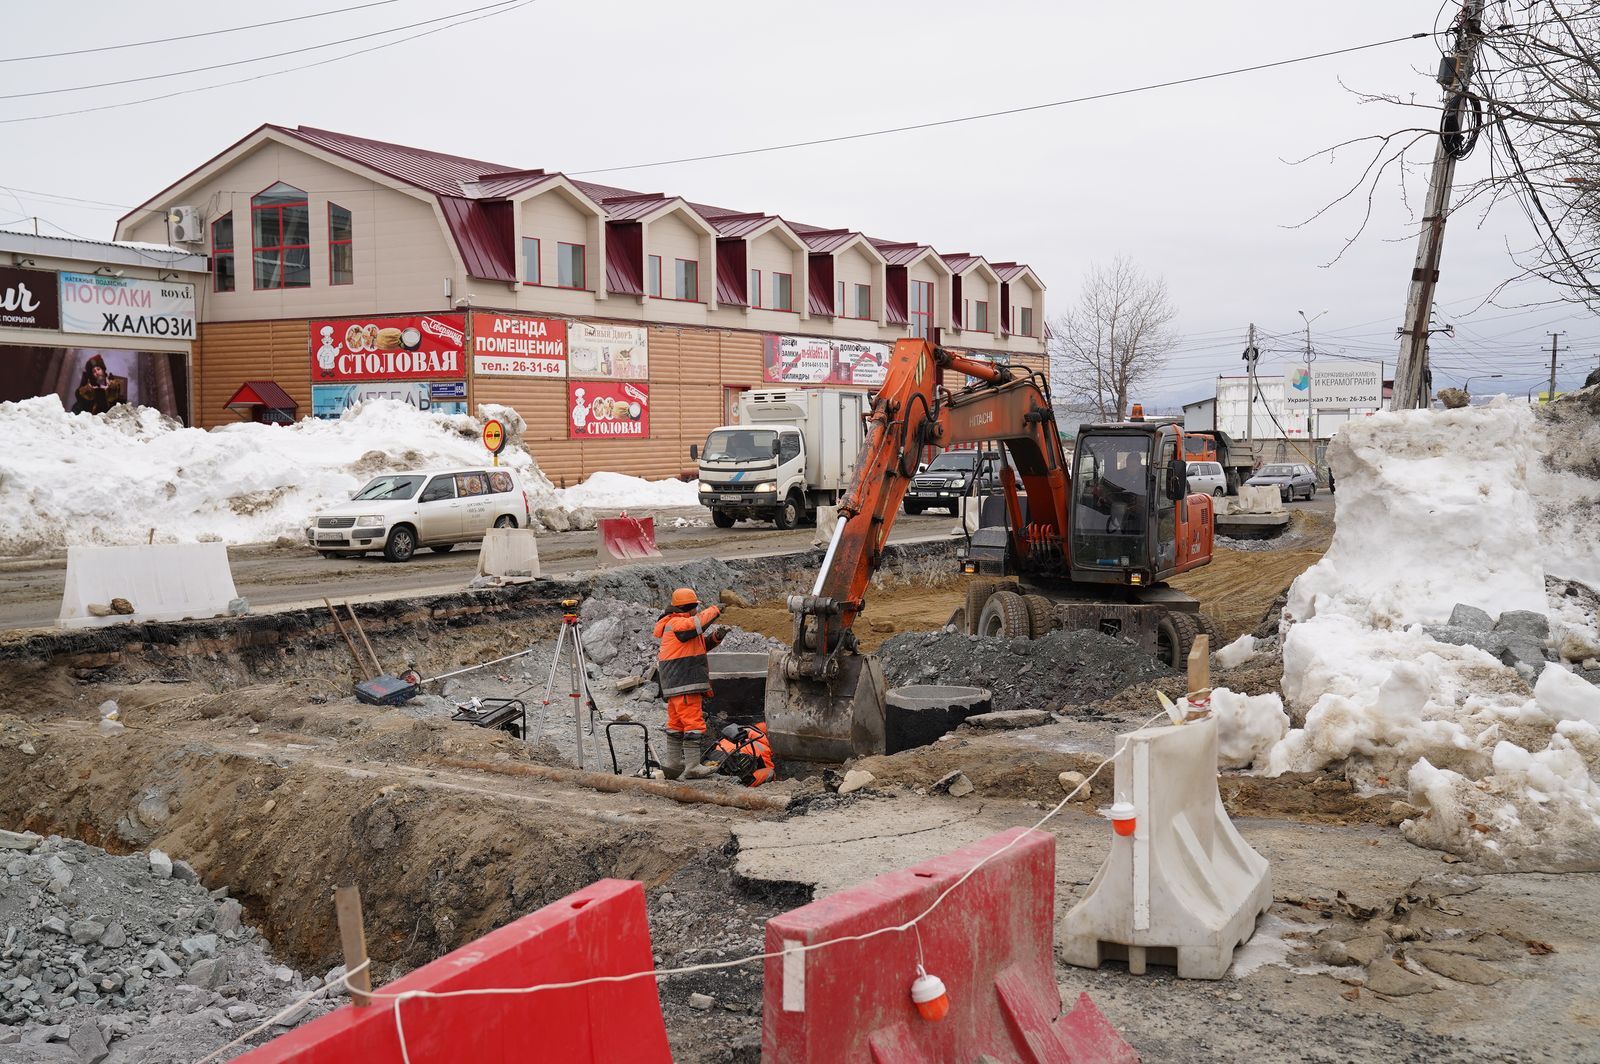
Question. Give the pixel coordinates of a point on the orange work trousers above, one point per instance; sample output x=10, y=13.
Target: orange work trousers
x=684, y=715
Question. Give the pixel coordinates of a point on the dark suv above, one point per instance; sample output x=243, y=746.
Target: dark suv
x=949, y=478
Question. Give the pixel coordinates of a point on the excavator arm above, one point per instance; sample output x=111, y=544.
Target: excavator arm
x=824, y=701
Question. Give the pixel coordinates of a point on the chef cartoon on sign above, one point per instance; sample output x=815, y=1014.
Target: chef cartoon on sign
x=580, y=410
x=327, y=352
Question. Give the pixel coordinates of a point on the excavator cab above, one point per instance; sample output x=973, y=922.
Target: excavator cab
x=1128, y=485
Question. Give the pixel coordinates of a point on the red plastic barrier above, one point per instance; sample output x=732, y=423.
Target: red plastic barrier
x=600, y=930
x=989, y=941
x=627, y=538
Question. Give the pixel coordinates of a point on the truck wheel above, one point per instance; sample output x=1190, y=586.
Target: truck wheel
x=978, y=593
x=722, y=519
x=401, y=544
x=788, y=514
x=1041, y=615
x=1175, y=634
x=1211, y=630
x=1004, y=616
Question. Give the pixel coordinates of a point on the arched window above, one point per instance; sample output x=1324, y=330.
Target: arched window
x=280, y=220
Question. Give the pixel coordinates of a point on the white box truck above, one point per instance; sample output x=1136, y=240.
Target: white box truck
x=792, y=450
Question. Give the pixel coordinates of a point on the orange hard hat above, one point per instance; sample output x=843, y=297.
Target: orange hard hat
x=685, y=596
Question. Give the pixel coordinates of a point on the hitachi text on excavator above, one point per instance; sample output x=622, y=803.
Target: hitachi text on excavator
x=1086, y=541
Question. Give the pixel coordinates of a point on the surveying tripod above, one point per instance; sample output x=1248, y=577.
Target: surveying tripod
x=572, y=634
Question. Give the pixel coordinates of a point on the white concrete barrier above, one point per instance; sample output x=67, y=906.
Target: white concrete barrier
x=1261, y=499
x=161, y=581
x=509, y=555
x=967, y=516
x=827, y=517
x=1184, y=889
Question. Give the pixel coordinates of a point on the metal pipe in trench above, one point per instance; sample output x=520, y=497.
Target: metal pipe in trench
x=601, y=781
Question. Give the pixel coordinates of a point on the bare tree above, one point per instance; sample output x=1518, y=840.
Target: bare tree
x=1115, y=338
x=1534, y=100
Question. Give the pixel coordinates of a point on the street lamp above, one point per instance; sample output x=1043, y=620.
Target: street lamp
x=1467, y=387
x=1311, y=356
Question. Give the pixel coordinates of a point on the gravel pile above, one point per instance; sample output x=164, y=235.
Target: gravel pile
x=127, y=959
x=1063, y=669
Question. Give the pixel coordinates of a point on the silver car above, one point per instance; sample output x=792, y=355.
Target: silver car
x=1207, y=478
x=1293, y=480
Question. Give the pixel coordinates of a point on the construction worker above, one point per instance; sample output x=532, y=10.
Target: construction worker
x=744, y=753
x=685, y=677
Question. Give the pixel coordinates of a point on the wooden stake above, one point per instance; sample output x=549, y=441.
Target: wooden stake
x=361, y=666
x=377, y=669
x=1200, y=673
x=353, y=940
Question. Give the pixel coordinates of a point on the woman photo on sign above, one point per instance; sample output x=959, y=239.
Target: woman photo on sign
x=98, y=390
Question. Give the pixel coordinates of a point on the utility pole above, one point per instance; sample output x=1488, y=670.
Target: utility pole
x=1455, y=73
x=1251, y=356
x=1550, y=396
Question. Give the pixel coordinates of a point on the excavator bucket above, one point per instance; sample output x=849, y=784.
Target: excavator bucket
x=815, y=723
x=627, y=539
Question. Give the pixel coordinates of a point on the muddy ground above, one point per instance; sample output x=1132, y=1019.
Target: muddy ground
x=278, y=786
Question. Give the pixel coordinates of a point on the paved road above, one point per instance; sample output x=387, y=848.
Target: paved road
x=30, y=589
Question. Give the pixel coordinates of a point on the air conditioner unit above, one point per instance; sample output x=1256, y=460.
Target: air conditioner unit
x=184, y=226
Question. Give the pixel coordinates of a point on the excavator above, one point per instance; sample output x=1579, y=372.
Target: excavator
x=1085, y=541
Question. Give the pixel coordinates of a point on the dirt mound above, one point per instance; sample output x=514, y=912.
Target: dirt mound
x=1062, y=669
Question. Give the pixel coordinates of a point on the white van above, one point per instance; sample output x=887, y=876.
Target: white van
x=399, y=512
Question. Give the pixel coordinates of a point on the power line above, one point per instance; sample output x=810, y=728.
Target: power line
x=1000, y=114
x=271, y=73
x=192, y=36
x=256, y=59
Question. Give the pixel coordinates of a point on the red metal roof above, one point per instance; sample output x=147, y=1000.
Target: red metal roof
x=624, y=255
x=732, y=280
x=261, y=393
x=485, y=246
x=827, y=241
x=899, y=254
x=438, y=173
x=1009, y=271
x=961, y=261
x=510, y=183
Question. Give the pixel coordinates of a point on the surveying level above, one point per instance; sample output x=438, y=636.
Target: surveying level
x=572, y=632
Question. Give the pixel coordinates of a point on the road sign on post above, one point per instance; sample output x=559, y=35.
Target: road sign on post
x=494, y=438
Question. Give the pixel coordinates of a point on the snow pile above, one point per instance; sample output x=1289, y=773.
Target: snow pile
x=78, y=478
x=616, y=491
x=1474, y=508
x=1247, y=726
x=1237, y=652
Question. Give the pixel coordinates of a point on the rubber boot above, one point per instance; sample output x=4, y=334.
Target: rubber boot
x=698, y=769
x=672, y=755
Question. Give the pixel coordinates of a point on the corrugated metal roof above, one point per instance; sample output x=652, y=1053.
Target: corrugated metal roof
x=485, y=245
x=899, y=254
x=827, y=241
x=731, y=278
x=440, y=174
x=961, y=261
x=1009, y=271
x=629, y=208
x=510, y=183
x=624, y=255
x=119, y=252
x=731, y=225
x=261, y=393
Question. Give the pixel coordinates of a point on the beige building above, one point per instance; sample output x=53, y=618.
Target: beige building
x=620, y=324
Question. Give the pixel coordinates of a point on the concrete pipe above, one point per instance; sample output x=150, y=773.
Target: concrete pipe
x=920, y=714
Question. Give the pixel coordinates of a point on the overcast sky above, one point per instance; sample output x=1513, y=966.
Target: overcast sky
x=1190, y=182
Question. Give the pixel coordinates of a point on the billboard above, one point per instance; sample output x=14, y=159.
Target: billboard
x=1337, y=385
x=817, y=360
x=616, y=352
x=412, y=348
x=510, y=345
x=601, y=410
x=28, y=299
x=125, y=306
x=92, y=380
x=332, y=400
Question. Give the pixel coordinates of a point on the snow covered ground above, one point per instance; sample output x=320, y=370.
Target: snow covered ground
x=1476, y=507
x=77, y=478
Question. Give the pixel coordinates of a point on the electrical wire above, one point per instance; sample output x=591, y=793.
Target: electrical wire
x=999, y=114
x=191, y=36
x=255, y=59
x=270, y=73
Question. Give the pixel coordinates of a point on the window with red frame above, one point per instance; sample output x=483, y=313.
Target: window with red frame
x=653, y=284
x=530, y=260
x=571, y=269
x=921, y=310
x=688, y=280
x=755, y=288
x=280, y=223
x=1025, y=321
x=980, y=315
x=222, y=254
x=782, y=291
x=863, y=307
x=341, y=252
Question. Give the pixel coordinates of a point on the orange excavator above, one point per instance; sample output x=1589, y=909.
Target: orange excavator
x=1085, y=541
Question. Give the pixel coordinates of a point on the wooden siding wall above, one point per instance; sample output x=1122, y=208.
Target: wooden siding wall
x=229, y=353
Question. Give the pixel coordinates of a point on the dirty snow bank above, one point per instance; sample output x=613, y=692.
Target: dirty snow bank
x=1476, y=507
x=77, y=478
x=616, y=490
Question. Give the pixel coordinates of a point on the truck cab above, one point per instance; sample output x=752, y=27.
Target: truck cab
x=791, y=451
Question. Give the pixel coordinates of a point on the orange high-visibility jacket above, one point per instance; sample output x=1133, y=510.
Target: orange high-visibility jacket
x=681, y=667
x=752, y=741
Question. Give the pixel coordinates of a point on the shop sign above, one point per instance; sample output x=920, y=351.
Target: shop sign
x=601, y=410
x=448, y=390
x=332, y=400
x=125, y=306
x=388, y=349
x=28, y=299
x=1343, y=385
x=509, y=345
x=616, y=352
x=816, y=360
